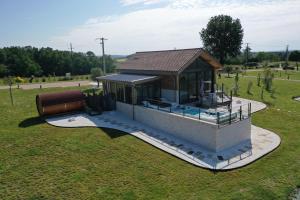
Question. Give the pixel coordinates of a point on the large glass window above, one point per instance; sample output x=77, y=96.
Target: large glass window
x=120, y=92
x=128, y=94
x=183, y=88
x=192, y=86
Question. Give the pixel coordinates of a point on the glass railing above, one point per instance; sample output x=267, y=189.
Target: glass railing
x=221, y=116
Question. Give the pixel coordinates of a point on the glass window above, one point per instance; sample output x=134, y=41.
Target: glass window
x=128, y=94
x=120, y=92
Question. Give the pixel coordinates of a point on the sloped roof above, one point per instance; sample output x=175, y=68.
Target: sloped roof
x=166, y=61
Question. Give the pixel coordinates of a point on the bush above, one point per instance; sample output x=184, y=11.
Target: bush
x=249, y=87
x=8, y=81
x=19, y=80
x=95, y=72
x=236, y=84
x=43, y=79
x=228, y=70
x=268, y=79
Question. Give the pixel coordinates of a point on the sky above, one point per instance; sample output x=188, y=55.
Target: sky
x=142, y=25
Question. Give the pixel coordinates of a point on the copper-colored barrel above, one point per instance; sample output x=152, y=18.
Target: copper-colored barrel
x=62, y=102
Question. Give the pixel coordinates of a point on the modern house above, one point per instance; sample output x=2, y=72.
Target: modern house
x=175, y=91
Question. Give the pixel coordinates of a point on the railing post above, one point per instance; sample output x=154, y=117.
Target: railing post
x=240, y=113
x=230, y=115
x=249, y=112
x=218, y=118
x=222, y=92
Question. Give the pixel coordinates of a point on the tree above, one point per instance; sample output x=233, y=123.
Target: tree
x=3, y=70
x=228, y=70
x=27, y=61
x=90, y=54
x=2, y=57
x=223, y=37
x=236, y=84
x=268, y=79
x=96, y=72
x=249, y=87
x=294, y=56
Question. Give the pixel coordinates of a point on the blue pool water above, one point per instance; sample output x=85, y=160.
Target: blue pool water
x=193, y=111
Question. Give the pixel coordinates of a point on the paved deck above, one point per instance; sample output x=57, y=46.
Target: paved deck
x=262, y=140
x=297, y=98
x=255, y=105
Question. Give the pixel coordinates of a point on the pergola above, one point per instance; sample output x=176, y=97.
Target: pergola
x=131, y=80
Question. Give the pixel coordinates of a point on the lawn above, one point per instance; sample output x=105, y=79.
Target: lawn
x=39, y=161
x=281, y=74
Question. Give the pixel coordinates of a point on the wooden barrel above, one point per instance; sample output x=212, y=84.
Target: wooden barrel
x=62, y=102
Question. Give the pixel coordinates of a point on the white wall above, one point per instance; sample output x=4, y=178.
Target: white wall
x=125, y=109
x=191, y=130
x=233, y=134
x=198, y=132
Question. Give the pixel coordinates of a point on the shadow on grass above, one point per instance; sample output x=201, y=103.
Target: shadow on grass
x=33, y=121
x=113, y=133
x=269, y=104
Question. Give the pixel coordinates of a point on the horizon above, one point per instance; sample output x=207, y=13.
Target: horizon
x=144, y=25
x=124, y=55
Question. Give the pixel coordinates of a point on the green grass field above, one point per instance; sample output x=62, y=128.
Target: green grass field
x=39, y=161
x=281, y=74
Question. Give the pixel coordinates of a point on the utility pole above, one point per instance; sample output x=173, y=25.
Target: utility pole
x=287, y=56
x=247, y=52
x=101, y=40
x=71, y=49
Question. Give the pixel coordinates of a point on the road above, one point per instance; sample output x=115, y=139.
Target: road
x=51, y=85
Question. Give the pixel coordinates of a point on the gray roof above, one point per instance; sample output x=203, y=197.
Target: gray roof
x=128, y=78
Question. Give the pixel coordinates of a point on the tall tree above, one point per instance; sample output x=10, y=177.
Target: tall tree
x=294, y=56
x=223, y=37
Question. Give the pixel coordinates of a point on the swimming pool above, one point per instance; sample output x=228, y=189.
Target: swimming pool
x=210, y=115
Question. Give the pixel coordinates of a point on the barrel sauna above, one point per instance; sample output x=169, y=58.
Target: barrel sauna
x=62, y=102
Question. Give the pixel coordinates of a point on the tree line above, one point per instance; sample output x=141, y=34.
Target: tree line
x=30, y=61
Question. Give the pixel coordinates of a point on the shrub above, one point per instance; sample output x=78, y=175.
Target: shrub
x=249, y=87
x=258, y=79
x=236, y=84
x=19, y=80
x=8, y=80
x=268, y=79
x=95, y=72
x=228, y=70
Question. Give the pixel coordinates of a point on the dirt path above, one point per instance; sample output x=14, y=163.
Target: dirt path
x=51, y=85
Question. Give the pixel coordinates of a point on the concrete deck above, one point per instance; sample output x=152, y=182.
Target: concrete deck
x=297, y=98
x=262, y=141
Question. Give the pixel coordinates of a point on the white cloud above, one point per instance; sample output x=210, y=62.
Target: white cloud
x=268, y=25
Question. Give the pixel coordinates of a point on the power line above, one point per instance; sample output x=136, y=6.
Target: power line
x=101, y=42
